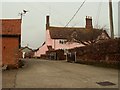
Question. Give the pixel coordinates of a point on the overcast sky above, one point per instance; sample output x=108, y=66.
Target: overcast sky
x=33, y=24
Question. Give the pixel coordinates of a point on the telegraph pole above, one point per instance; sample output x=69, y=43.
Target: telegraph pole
x=111, y=19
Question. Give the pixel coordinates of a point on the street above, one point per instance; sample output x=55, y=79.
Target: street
x=39, y=73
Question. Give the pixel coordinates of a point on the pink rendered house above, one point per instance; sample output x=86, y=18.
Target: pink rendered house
x=57, y=37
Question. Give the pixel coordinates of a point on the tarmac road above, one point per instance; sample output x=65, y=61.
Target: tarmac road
x=39, y=73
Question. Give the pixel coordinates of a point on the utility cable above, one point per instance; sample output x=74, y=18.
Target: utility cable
x=75, y=13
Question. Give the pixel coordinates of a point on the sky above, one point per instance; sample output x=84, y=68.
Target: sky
x=34, y=22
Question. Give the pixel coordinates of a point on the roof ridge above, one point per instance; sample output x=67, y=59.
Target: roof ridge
x=67, y=27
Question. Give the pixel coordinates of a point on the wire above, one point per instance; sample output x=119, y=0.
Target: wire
x=75, y=13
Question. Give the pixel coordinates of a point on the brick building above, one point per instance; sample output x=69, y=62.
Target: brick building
x=10, y=36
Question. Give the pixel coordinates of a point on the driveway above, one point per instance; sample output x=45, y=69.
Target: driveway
x=39, y=73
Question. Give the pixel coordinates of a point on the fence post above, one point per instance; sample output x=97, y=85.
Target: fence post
x=75, y=57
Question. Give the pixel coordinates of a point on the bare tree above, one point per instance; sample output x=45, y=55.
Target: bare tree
x=89, y=37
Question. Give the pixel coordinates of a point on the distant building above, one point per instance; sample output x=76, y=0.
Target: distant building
x=10, y=35
x=70, y=37
x=27, y=52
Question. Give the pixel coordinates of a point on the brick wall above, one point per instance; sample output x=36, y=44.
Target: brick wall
x=10, y=34
x=107, y=51
x=0, y=52
x=56, y=54
x=10, y=26
x=10, y=47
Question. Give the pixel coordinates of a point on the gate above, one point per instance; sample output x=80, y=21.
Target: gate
x=71, y=57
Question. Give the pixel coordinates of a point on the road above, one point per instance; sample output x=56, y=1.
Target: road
x=58, y=74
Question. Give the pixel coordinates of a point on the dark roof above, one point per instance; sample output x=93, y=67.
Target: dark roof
x=35, y=50
x=10, y=26
x=62, y=32
x=73, y=32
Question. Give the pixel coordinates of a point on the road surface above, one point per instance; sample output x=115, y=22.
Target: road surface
x=39, y=73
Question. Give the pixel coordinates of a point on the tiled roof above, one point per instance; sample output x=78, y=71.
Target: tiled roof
x=77, y=33
x=10, y=26
x=61, y=32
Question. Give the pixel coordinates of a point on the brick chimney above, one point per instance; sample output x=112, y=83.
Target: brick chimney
x=47, y=22
x=89, y=22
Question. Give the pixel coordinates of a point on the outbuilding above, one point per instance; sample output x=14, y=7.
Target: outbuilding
x=10, y=36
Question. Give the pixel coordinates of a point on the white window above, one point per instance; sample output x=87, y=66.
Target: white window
x=62, y=41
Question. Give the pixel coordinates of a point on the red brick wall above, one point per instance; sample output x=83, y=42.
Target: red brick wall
x=10, y=47
x=0, y=52
x=10, y=31
x=10, y=26
x=20, y=54
x=107, y=52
